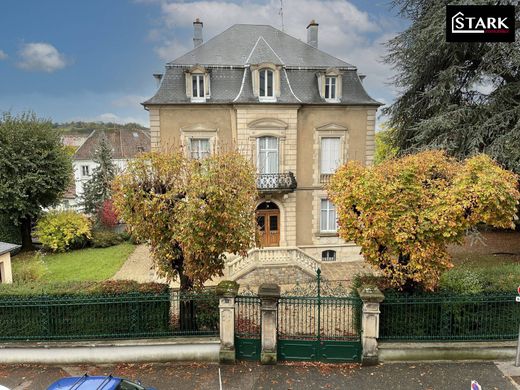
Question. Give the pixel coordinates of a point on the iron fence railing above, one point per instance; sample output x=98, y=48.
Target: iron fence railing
x=133, y=315
x=267, y=182
x=248, y=320
x=438, y=317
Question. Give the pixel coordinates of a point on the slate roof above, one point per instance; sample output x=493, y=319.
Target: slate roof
x=6, y=247
x=125, y=143
x=227, y=58
x=233, y=46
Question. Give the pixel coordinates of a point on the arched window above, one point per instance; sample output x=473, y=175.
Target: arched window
x=266, y=83
x=328, y=255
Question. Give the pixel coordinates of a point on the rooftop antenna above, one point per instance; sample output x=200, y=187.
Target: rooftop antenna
x=281, y=13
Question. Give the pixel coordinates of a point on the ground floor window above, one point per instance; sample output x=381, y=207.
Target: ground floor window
x=328, y=255
x=328, y=222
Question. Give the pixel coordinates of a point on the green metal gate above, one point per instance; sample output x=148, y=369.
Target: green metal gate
x=319, y=328
x=247, y=327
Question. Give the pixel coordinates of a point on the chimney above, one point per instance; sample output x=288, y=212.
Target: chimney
x=197, y=33
x=312, y=33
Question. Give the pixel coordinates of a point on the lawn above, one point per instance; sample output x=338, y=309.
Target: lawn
x=84, y=264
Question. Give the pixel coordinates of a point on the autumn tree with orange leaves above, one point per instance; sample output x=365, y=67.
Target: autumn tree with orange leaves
x=404, y=212
x=191, y=212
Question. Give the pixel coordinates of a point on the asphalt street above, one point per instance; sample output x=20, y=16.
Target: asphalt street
x=244, y=376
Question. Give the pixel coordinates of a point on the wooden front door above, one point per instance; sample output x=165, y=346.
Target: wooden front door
x=269, y=227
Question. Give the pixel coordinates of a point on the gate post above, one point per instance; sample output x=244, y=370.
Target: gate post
x=269, y=294
x=227, y=291
x=371, y=297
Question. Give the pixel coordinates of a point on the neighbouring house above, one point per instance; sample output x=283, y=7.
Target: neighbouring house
x=6, y=274
x=126, y=145
x=296, y=111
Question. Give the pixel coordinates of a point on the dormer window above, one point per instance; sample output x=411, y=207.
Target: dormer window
x=329, y=84
x=197, y=82
x=266, y=83
x=330, y=87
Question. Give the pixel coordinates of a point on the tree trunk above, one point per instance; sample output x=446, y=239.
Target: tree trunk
x=188, y=321
x=25, y=229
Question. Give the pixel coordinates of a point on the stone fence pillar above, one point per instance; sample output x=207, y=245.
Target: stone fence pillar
x=371, y=297
x=227, y=291
x=269, y=294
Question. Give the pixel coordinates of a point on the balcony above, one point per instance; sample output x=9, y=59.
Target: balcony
x=276, y=182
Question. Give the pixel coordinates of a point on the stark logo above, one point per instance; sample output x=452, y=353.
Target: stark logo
x=480, y=23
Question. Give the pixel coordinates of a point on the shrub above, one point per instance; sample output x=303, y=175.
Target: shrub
x=29, y=270
x=105, y=238
x=461, y=281
x=60, y=231
x=107, y=214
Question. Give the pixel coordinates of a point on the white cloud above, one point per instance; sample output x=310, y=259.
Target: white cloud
x=3, y=55
x=41, y=56
x=114, y=118
x=131, y=101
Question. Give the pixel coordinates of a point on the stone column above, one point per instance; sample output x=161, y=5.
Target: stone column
x=371, y=297
x=227, y=291
x=269, y=294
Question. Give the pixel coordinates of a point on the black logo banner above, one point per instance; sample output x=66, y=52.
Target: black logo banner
x=480, y=23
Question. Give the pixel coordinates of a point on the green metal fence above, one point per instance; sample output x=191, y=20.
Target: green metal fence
x=134, y=315
x=248, y=323
x=438, y=317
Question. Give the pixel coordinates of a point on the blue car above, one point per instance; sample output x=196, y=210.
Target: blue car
x=86, y=382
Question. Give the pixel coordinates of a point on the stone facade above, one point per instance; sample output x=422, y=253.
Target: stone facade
x=282, y=275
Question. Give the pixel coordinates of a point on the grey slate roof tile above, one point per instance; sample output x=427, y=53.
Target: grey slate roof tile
x=125, y=143
x=233, y=46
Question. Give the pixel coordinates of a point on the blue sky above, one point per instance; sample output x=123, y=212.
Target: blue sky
x=94, y=60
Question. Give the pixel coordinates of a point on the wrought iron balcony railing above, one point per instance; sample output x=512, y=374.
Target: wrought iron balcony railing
x=276, y=182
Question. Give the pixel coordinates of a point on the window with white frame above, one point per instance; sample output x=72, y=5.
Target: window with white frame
x=267, y=155
x=199, y=148
x=197, y=83
x=330, y=155
x=328, y=221
x=85, y=170
x=266, y=87
x=330, y=87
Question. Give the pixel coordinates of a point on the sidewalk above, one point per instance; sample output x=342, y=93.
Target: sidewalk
x=294, y=376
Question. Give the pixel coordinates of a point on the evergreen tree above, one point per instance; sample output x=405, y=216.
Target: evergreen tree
x=460, y=97
x=98, y=188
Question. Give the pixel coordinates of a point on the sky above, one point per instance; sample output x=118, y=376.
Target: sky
x=94, y=60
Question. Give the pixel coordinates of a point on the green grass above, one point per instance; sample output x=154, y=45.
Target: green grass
x=93, y=264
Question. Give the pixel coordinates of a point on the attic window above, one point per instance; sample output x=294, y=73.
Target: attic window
x=330, y=87
x=197, y=82
x=266, y=85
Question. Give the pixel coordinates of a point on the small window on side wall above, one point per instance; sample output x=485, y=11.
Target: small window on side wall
x=199, y=148
x=85, y=170
x=328, y=255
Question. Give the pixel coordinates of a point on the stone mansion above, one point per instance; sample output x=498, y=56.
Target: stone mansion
x=296, y=111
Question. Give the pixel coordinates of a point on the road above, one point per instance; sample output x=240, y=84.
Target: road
x=244, y=376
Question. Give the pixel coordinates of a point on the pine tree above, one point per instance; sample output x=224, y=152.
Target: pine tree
x=98, y=188
x=460, y=97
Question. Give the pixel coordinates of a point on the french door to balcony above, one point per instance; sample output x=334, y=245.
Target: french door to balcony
x=268, y=221
x=267, y=155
